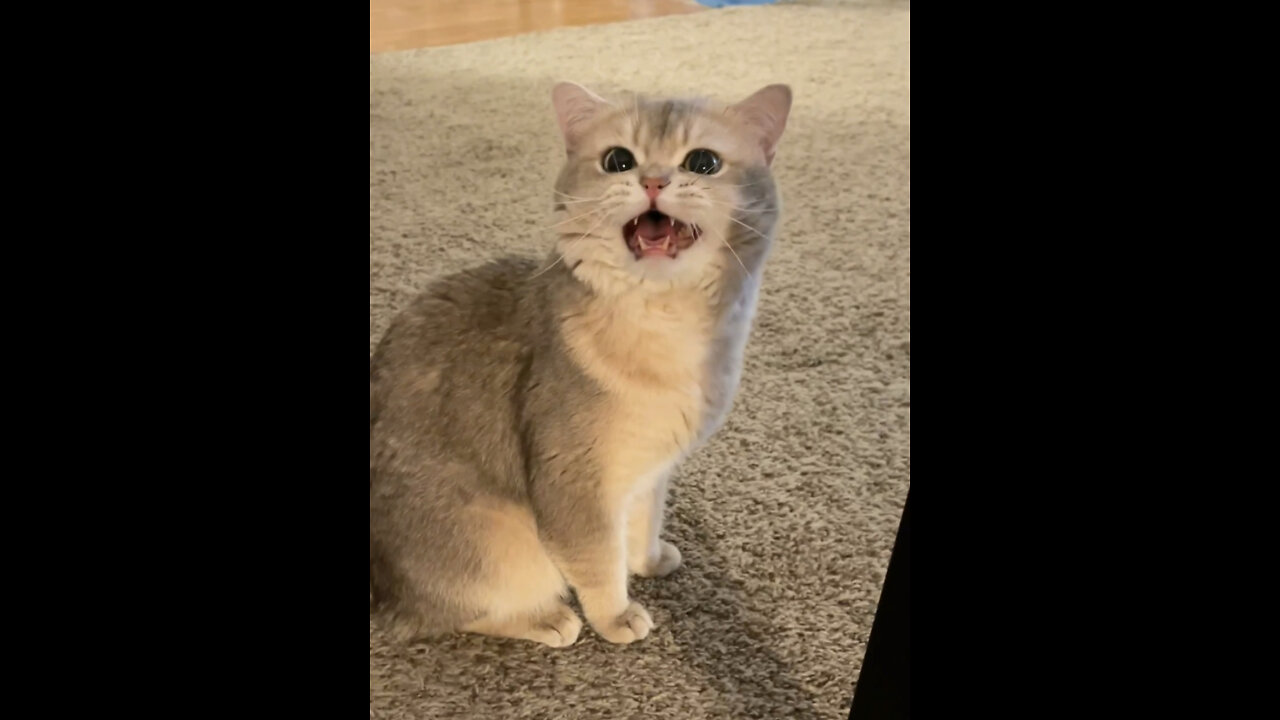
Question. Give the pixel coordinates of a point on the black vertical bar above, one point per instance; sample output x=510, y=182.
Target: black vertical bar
x=883, y=691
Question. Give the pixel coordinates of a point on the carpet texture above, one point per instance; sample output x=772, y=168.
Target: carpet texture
x=787, y=518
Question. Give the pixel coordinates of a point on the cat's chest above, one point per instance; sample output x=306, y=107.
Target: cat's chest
x=641, y=346
x=641, y=436
x=649, y=356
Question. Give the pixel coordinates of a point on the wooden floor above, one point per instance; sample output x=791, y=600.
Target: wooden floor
x=409, y=24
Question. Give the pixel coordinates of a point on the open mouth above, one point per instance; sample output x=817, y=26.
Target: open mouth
x=654, y=234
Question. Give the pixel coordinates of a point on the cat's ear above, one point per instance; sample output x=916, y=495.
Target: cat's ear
x=575, y=107
x=765, y=113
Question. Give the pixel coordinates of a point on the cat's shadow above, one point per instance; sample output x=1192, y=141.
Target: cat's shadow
x=711, y=623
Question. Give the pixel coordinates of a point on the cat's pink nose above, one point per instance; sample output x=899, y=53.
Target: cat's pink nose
x=653, y=186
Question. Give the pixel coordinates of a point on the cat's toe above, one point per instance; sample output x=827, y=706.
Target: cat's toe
x=559, y=629
x=633, y=624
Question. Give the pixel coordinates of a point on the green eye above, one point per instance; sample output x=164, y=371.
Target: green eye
x=703, y=162
x=618, y=160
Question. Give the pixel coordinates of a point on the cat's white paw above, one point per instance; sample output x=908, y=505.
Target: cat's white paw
x=633, y=624
x=664, y=564
x=559, y=629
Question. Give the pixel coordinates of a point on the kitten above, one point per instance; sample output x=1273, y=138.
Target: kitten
x=524, y=419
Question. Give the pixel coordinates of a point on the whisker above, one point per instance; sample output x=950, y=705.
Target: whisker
x=747, y=273
x=603, y=217
x=701, y=198
x=733, y=219
x=577, y=217
x=577, y=197
x=588, y=232
x=557, y=262
x=738, y=207
x=578, y=202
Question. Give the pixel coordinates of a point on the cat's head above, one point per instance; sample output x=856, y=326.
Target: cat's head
x=665, y=192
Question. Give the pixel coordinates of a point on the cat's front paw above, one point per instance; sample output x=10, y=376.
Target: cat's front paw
x=633, y=624
x=666, y=562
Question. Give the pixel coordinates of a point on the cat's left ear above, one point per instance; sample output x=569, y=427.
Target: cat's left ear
x=575, y=107
x=765, y=112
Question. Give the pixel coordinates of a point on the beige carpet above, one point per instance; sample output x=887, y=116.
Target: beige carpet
x=787, y=518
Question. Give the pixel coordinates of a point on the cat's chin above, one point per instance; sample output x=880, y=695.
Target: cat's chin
x=654, y=234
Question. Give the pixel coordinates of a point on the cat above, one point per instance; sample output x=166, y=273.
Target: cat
x=525, y=418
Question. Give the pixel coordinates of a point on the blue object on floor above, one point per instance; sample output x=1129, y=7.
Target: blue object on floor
x=725, y=3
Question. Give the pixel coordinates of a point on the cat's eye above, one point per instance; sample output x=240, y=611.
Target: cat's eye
x=701, y=161
x=618, y=160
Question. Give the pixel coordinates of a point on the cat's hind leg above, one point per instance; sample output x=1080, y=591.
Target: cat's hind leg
x=520, y=591
x=452, y=559
x=557, y=627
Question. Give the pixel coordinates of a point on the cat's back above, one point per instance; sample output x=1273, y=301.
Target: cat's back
x=458, y=316
x=452, y=358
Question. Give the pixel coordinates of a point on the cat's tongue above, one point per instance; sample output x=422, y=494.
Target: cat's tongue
x=655, y=236
x=654, y=230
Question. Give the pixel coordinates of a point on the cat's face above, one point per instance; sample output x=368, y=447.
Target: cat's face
x=665, y=192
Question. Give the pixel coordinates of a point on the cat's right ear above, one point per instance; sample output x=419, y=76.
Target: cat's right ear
x=575, y=107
